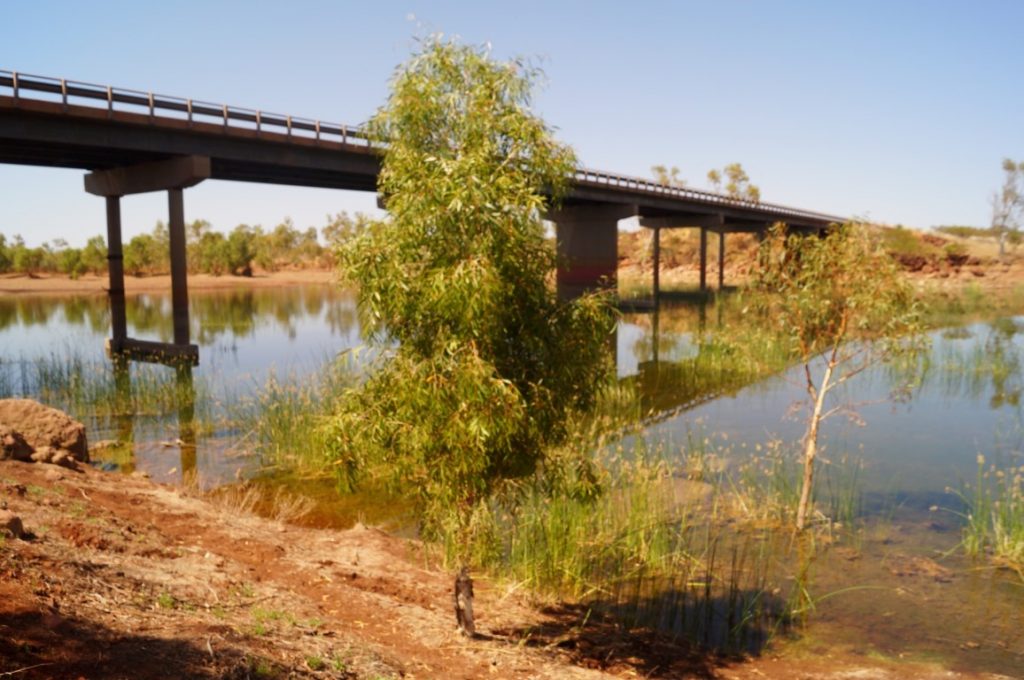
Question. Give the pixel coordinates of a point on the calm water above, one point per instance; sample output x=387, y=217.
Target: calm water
x=913, y=449
x=967, y=404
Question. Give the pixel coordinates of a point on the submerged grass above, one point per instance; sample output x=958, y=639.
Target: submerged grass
x=686, y=545
x=125, y=400
x=994, y=515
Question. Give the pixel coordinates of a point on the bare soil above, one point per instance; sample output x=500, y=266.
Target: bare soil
x=926, y=265
x=124, y=578
x=51, y=284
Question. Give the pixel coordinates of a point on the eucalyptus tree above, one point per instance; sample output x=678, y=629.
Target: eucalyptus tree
x=844, y=306
x=481, y=364
x=1008, y=203
x=736, y=182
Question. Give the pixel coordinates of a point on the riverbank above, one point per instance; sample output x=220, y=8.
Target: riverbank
x=124, y=578
x=90, y=284
x=944, y=264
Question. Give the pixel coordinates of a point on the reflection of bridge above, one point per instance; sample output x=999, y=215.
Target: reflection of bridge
x=135, y=142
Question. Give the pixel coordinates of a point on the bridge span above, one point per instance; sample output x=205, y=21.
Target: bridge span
x=132, y=142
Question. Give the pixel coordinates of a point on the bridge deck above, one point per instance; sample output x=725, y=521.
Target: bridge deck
x=62, y=123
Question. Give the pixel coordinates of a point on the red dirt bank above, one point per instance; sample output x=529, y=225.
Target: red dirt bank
x=128, y=579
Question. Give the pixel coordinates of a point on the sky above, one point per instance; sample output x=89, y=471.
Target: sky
x=896, y=111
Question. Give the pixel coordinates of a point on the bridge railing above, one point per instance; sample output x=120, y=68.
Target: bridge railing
x=649, y=186
x=117, y=99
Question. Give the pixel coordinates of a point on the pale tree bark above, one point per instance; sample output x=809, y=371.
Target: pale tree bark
x=811, y=439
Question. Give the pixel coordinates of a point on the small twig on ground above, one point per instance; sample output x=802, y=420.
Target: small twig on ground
x=8, y=674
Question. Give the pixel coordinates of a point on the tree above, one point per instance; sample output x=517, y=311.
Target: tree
x=94, y=255
x=481, y=363
x=667, y=176
x=342, y=228
x=1008, y=203
x=140, y=254
x=5, y=256
x=843, y=304
x=241, y=249
x=737, y=183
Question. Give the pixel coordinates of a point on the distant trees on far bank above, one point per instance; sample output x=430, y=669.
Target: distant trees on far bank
x=210, y=251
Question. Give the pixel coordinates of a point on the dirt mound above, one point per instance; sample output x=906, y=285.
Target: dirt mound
x=31, y=431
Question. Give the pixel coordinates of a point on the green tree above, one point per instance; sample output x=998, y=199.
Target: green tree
x=737, y=183
x=94, y=255
x=342, y=228
x=69, y=261
x=140, y=254
x=5, y=255
x=844, y=305
x=1008, y=204
x=481, y=362
x=241, y=249
x=211, y=253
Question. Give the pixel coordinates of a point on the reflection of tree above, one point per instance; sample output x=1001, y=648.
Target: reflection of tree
x=237, y=313
x=992, y=367
x=1005, y=361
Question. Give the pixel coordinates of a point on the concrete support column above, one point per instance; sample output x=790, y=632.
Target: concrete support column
x=656, y=284
x=588, y=249
x=115, y=269
x=703, y=259
x=721, y=260
x=179, y=269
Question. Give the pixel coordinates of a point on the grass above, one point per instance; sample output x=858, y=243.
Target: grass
x=687, y=546
x=993, y=515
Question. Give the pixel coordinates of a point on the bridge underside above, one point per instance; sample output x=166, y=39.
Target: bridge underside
x=129, y=152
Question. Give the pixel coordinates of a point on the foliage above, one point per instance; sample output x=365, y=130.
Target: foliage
x=342, y=228
x=737, y=182
x=1008, y=203
x=667, y=176
x=964, y=231
x=843, y=306
x=486, y=362
x=208, y=251
x=994, y=515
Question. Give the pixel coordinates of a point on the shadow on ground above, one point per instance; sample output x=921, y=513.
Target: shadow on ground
x=40, y=645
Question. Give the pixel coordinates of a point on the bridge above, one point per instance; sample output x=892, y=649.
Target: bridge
x=133, y=142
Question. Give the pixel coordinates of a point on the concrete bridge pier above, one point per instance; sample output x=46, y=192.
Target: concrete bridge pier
x=172, y=175
x=587, y=238
x=706, y=223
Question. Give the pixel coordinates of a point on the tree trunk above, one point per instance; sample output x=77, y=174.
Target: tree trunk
x=464, y=602
x=811, y=447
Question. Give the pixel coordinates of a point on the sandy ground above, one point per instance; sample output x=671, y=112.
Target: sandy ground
x=124, y=578
x=50, y=284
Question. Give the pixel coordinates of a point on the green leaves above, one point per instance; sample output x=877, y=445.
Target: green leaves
x=823, y=291
x=486, y=362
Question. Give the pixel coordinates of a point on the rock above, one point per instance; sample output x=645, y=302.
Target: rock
x=10, y=525
x=51, y=435
x=978, y=272
x=53, y=475
x=12, y=444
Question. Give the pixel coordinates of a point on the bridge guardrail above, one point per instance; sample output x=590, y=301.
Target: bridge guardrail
x=120, y=99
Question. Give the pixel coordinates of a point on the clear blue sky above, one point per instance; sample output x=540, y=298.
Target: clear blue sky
x=900, y=111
